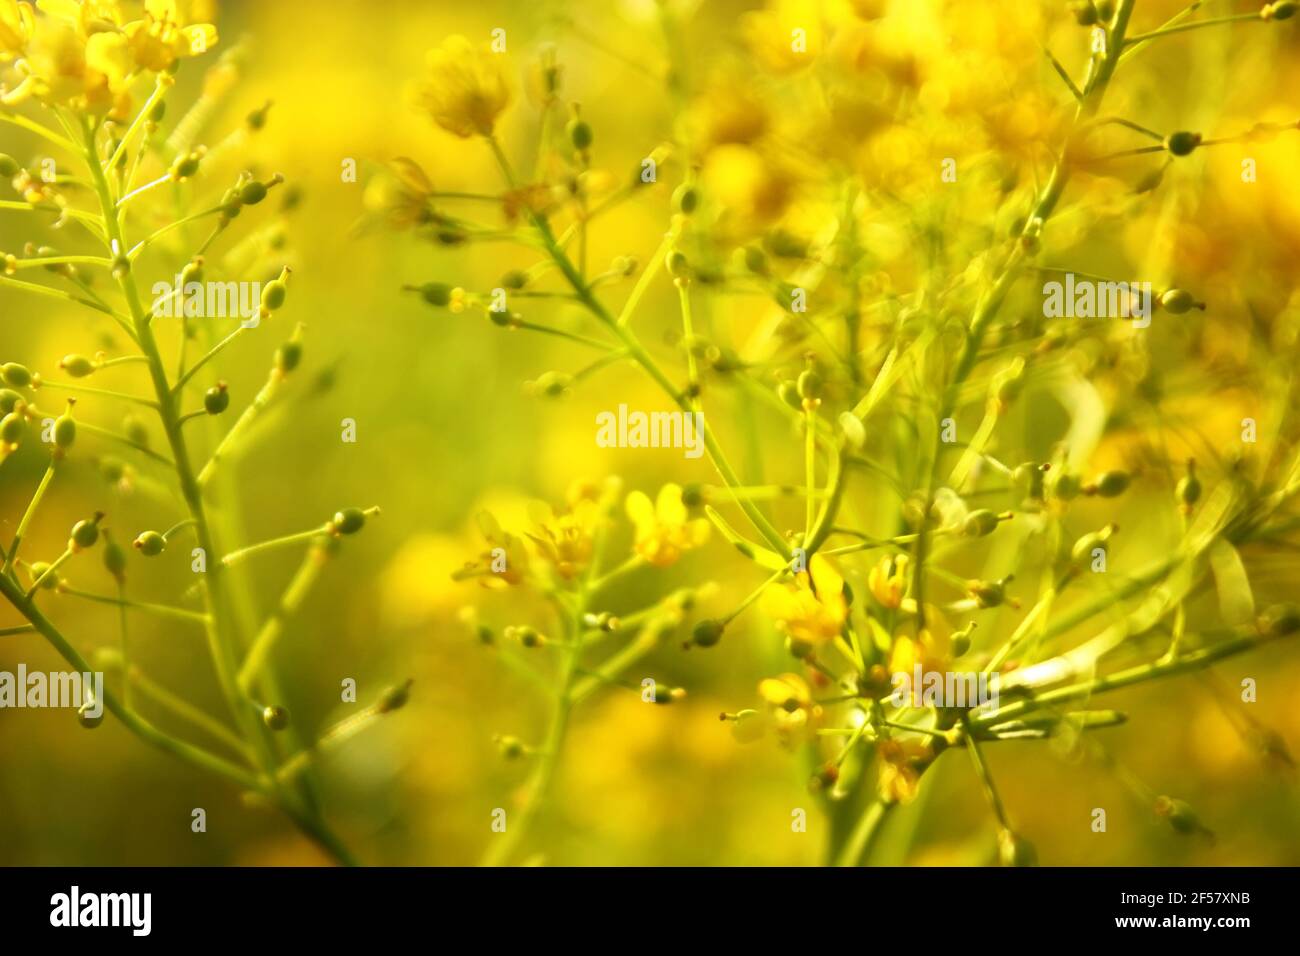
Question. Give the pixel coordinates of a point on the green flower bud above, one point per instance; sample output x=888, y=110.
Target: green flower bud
x=989, y=594
x=788, y=391
x=9, y=400
x=686, y=198
x=1177, y=301
x=1085, y=14
x=12, y=428
x=1188, y=490
x=84, y=534
x=252, y=193
x=276, y=718
x=1082, y=552
x=1067, y=486
x=511, y=748
x=78, y=366
x=216, y=399
x=579, y=133
x=186, y=165
x=1110, y=484
x=65, y=430
x=150, y=544
x=256, y=120
x=8, y=166
x=114, y=558
x=756, y=260
x=274, y=292
x=527, y=636
x=708, y=632
x=16, y=375
x=287, y=357
x=693, y=495
x=679, y=267
x=514, y=279
x=348, y=521
x=960, y=640
x=1178, y=813
x=40, y=571
x=1282, y=10
x=664, y=695
x=394, y=698
x=979, y=523
x=1182, y=143
x=86, y=719
x=436, y=293
x=809, y=385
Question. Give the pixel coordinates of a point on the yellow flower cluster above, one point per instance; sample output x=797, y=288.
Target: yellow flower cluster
x=84, y=55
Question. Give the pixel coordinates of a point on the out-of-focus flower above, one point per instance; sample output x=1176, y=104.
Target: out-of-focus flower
x=665, y=528
x=728, y=111
x=900, y=771
x=162, y=37
x=465, y=88
x=888, y=580
x=400, y=195
x=785, y=37
x=564, y=540
x=752, y=190
x=791, y=709
x=17, y=22
x=812, y=609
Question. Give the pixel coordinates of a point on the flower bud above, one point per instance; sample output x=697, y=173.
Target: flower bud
x=1067, y=486
x=579, y=133
x=88, y=720
x=287, y=356
x=1085, y=14
x=216, y=399
x=12, y=428
x=394, y=698
x=274, y=292
x=9, y=400
x=809, y=385
x=16, y=375
x=1177, y=301
x=1282, y=10
x=1182, y=143
x=1109, y=484
x=8, y=166
x=186, y=165
x=511, y=748
x=275, y=718
x=348, y=521
x=989, y=594
x=686, y=198
x=708, y=632
x=40, y=571
x=78, y=366
x=65, y=430
x=84, y=534
x=979, y=523
x=150, y=543
x=1188, y=490
x=960, y=640
x=436, y=293
x=252, y=193
x=1179, y=814
x=1082, y=552
x=114, y=558
x=679, y=267
x=788, y=391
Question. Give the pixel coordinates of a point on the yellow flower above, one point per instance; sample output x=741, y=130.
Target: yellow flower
x=17, y=22
x=888, y=580
x=162, y=37
x=791, y=708
x=752, y=189
x=785, y=37
x=812, y=610
x=401, y=195
x=465, y=89
x=900, y=769
x=564, y=540
x=665, y=529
